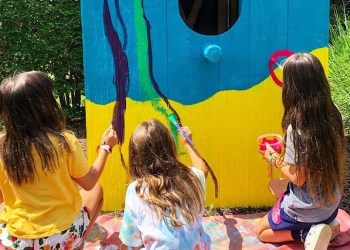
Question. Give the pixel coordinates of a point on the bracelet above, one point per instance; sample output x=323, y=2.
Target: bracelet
x=273, y=158
x=105, y=147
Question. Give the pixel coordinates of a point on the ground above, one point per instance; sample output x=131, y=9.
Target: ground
x=79, y=128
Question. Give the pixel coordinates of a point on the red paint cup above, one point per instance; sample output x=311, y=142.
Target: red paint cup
x=275, y=141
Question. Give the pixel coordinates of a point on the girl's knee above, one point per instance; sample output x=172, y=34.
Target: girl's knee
x=258, y=230
x=259, y=233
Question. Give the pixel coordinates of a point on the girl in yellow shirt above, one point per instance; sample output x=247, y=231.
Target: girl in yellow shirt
x=41, y=166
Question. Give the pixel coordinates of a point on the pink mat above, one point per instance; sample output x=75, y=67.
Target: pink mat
x=227, y=232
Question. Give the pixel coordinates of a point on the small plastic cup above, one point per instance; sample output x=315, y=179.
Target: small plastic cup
x=275, y=141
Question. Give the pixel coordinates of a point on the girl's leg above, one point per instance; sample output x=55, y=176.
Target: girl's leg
x=266, y=234
x=93, y=201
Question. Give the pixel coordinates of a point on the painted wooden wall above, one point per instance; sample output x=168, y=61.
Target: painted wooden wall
x=137, y=52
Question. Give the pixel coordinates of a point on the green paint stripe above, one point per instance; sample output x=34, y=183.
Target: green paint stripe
x=143, y=67
x=142, y=51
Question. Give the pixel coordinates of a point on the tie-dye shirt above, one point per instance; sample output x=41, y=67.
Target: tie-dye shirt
x=142, y=227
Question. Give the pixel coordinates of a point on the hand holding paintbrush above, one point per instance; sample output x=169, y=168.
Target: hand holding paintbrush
x=196, y=158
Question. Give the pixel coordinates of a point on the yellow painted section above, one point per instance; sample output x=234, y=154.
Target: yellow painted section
x=225, y=128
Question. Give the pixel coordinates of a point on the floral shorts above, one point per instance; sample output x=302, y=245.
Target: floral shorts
x=67, y=239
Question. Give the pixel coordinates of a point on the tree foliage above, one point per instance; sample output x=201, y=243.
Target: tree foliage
x=44, y=35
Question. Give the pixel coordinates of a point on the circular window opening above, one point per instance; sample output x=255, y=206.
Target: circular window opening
x=209, y=17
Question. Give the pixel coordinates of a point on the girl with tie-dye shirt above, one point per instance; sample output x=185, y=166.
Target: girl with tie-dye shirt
x=165, y=202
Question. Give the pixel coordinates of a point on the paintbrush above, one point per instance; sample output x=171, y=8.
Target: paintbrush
x=172, y=119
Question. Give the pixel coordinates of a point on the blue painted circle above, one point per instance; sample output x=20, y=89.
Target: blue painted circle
x=212, y=53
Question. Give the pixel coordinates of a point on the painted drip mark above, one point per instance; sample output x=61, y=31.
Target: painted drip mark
x=121, y=78
x=150, y=61
x=159, y=92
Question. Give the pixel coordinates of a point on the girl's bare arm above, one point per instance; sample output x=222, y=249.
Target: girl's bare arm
x=197, y=162
x=88, y=181
x=294, y=173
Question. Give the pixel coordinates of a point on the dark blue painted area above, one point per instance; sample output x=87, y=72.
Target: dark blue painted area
x=179, y=67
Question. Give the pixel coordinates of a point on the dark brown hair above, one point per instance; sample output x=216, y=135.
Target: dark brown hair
x=29, y=112
x=317, y=127
x=162, y=181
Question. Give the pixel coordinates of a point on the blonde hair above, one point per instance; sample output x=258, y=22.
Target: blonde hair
x=162, y=181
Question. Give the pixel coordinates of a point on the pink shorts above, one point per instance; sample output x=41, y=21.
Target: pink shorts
x=67, y=239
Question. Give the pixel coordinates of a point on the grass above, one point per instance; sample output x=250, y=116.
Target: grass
x=339, y=62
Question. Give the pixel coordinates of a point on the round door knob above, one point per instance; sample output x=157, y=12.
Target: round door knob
x=212, y=53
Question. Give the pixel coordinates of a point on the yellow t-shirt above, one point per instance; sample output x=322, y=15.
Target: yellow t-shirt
x=50, y=204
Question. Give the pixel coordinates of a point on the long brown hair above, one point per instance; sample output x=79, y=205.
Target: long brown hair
x=317, y=127
x=29, y=111
x=162, y=181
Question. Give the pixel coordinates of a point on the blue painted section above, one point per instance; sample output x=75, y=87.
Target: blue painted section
x=189, y=74
x=98, y=58
x=179, y=66
x=269, y=36
x=308, y=26
x=156, y=14
x=234, y=63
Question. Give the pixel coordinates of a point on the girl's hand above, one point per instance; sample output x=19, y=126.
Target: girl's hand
x=269, y=150
x=271, y=156
x=109, y=137
x=187, y=130
x=196, y=160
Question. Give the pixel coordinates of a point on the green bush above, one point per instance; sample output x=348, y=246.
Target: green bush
x=339, y=62
x=44, y=35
